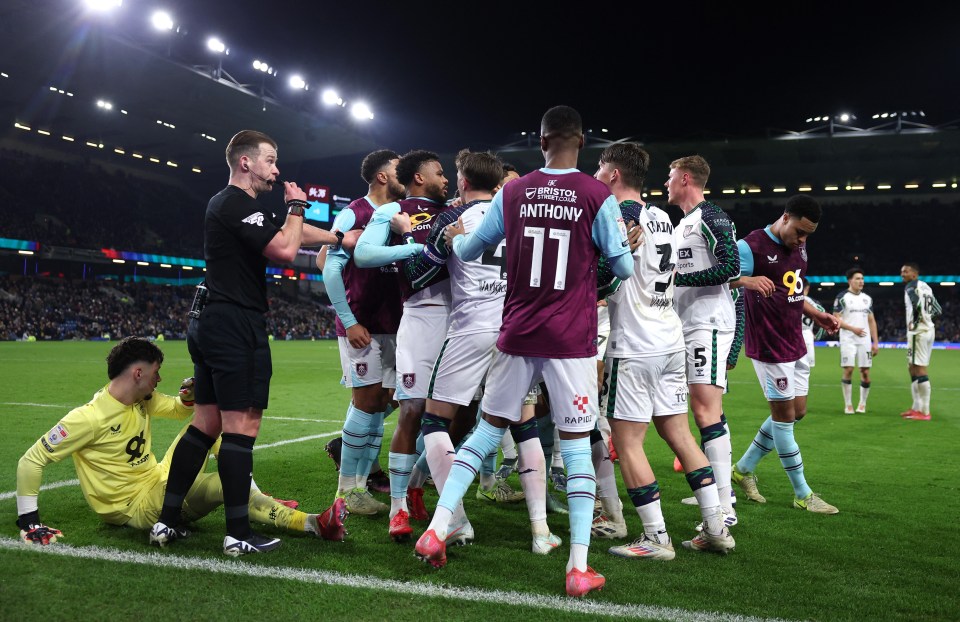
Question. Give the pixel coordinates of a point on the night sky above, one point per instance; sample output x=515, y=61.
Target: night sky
x=445, y=75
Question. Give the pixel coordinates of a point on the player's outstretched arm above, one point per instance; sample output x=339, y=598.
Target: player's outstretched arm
x=336, y=291
x=372, y=250
x=824, y=320
x=760, y=284
x=29, y=477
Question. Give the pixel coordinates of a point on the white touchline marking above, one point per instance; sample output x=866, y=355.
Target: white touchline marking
x=76, y=482
x=34, y=404
x=50, y=486
x=298, y=440
x=322, y=577
x=338, y=422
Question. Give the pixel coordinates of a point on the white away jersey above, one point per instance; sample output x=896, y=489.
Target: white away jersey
x=854, y=309
x=643, y=321
x=478, y=286
x=700, y=237
x=922, y=307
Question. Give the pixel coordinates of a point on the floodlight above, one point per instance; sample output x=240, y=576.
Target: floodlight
x=102, y=5
x=331, y=98
x=361, y=110
x=297, y=82
x=161, y=20
x=844, y=117
x=216, y=45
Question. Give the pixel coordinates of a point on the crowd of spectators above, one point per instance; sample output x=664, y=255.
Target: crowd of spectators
x=59, y=309
x=85, y=206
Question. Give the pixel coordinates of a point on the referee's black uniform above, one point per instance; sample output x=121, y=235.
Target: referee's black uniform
x=228, y=343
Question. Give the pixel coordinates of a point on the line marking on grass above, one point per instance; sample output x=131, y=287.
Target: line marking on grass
x=35, y=404
x=50, y=486
x=323, y=577
x=298, y=440
x=76, y=482
x=338, y=422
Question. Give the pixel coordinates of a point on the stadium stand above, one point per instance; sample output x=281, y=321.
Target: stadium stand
x=61, y=309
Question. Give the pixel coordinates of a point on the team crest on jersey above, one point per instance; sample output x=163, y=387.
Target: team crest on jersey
x=781, y=384
x=361, y=369
x=254, y=219
x=687, y=231
x=57, y=434
x=581, y=401
x=409, y=381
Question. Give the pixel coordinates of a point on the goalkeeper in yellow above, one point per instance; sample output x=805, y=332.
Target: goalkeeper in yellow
x=110, y=441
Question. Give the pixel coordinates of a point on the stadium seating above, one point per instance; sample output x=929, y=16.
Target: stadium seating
x=58, y=309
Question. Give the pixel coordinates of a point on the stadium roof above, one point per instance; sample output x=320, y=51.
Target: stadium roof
x=56, y=76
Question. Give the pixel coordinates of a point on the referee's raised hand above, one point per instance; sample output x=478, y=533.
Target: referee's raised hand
x=293, y=192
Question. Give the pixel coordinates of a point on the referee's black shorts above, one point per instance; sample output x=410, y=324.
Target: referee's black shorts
x=231, y=357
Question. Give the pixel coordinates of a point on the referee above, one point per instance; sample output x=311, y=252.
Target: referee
x=228, y=341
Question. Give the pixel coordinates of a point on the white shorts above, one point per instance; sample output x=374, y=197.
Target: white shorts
x=707, y=351
x=919, y=347
x=461, y=367
x=778, y=380
x=375, y=364
x=571, y=384
x=854, y=355
x=419, y=339
x=811, y=357
x=603, y=331
x=801, y=376
x=642, y=388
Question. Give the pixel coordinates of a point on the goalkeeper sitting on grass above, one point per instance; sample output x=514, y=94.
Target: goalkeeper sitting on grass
x=110, y=440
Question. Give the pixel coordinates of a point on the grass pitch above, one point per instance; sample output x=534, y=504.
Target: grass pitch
x=887, y=555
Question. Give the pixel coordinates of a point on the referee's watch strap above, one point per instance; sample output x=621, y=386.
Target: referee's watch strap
x=297, y=207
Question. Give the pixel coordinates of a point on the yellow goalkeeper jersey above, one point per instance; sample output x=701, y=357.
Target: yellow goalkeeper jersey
x=111, y=445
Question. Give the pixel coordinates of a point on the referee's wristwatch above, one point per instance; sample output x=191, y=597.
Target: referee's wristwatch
x=297, y=207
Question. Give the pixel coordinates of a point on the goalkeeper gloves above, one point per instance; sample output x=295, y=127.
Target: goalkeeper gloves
x=186, y=391
x=32, y=531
